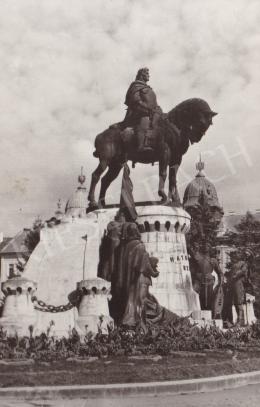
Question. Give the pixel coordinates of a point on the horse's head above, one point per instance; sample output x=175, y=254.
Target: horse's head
x=201, y=117
x=193, y=118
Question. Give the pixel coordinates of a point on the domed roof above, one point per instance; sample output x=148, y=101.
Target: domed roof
x=77, y=203
x=200, y=188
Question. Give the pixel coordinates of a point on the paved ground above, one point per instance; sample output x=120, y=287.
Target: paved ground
x=247, y=396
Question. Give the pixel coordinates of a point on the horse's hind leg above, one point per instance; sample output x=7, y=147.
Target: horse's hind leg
x=102, y=166
x=109, y=177
x=163, y=164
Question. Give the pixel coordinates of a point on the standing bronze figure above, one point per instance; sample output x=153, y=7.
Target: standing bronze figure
x=203, y=265
x=237, y=279
x=147, y=135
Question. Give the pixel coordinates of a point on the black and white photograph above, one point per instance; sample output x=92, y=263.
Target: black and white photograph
x=130, y=203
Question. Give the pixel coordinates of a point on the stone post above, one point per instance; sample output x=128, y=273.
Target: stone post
x=93, y=308
x=18, y=310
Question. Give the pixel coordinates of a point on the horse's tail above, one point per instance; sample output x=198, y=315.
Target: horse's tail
x=98, y=142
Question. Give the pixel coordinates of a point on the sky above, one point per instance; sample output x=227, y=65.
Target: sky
x=65, y=68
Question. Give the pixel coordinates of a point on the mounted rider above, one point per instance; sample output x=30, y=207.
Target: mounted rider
x=143, y=111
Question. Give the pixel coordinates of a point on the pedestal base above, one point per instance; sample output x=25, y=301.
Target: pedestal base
x=248, y=308
x=180, y=301
x=94, y=324
x=20, y=325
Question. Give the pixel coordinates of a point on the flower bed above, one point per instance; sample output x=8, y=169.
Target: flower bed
x=158, y=340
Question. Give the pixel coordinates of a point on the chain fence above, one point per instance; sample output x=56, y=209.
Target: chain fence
x=43, y=307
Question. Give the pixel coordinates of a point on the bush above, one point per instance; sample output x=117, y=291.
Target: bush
x=162, y=340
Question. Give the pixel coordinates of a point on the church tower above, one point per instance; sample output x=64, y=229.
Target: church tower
x=199, y=191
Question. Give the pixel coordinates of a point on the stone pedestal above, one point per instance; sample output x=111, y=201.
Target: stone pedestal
x=204, y=319
x=163, y=231
x=56, y=265
x=93, y=308
x=248, y=308
x=18, y=310
x=249, y=312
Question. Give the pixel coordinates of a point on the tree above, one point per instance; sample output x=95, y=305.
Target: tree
x=246, y=234
x=205, y=221
x=248, y=231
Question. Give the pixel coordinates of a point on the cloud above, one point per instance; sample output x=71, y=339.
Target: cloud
x=64, y=73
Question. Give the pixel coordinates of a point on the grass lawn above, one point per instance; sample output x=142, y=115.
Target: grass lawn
x=123, y=369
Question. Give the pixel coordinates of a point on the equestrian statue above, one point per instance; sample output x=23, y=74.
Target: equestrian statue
x=147, y=135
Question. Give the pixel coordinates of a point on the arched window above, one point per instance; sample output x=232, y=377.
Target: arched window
x=167, y=225
x=147, y=226
x=177, y=226
x=157, y=225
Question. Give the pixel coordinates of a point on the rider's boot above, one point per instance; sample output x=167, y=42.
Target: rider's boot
x=141, y=132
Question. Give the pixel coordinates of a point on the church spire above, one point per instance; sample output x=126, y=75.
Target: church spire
x=200, y=167
x=81, y=178
x=58, y=212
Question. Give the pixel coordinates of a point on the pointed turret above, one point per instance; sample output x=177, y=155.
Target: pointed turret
x=59, y=213
x=77, y=204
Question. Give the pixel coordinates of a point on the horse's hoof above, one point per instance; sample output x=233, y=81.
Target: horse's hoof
x=163, y=196
x=101, y=203
x=176, y=202
x=164, y=201
x=92, y=206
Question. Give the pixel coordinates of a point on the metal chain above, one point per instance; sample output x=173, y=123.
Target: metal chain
x=51, y=308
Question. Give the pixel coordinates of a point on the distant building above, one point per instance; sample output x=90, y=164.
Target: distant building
x=201, y=189
x=233, y=218
x=11, y=252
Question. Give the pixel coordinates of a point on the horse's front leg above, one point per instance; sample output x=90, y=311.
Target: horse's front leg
x=173, y=194
x=94, y=180
x=163, y=164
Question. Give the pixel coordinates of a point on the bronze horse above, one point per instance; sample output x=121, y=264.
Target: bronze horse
x=170, y=139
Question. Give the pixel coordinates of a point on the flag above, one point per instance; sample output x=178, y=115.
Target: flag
x=127, y=204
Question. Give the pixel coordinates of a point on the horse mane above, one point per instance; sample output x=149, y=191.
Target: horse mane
x=184, y=111
x=167, y=132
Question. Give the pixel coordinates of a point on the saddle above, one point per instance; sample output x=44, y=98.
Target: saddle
x=152, y=138
x=128, y=134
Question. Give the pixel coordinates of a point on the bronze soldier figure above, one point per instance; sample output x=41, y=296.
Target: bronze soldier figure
x=236, y=285
x=239, y=275
x=143, y=111
x=203, y=280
